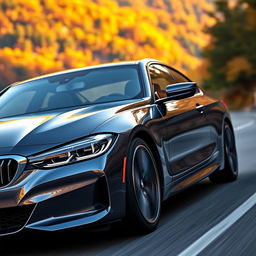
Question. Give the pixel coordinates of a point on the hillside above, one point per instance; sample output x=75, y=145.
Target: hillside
x=41, y=36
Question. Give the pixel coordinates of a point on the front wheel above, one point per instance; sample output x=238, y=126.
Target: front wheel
x=230, y=171
x=142, y=188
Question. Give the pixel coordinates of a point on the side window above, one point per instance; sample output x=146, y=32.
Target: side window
x=178, y=77
x=160, y=77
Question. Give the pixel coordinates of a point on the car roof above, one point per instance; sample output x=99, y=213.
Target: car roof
x=106, y=65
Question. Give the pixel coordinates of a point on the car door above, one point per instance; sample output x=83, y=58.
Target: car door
x=183, y=129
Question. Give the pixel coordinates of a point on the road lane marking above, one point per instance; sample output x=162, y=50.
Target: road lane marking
x=241, y=127
x=200, y=244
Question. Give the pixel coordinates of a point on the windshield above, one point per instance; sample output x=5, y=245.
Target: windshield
x=85, y=87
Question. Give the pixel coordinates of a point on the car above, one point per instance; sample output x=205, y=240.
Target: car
x=100, y=144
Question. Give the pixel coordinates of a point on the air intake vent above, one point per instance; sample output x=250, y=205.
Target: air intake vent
x=14, y=218
x=8, y=169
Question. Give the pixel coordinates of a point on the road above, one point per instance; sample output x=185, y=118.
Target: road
x=187, y=218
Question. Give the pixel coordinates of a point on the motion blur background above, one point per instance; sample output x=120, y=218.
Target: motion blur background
x=213, y=42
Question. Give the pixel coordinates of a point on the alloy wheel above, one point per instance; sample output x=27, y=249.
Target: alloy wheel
x=146, y=183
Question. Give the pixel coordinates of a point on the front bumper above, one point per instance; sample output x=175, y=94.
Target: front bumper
x=83, y=193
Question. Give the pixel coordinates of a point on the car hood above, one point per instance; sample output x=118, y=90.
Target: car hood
x=32, y=133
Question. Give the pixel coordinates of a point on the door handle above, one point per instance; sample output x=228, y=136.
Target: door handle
x=200, y=108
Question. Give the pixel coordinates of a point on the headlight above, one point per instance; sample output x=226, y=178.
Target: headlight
x=74, y=152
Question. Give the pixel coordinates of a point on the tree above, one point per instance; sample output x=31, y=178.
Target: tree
x=232, y=52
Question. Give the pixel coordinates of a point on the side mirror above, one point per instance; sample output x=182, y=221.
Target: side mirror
x=179, y=91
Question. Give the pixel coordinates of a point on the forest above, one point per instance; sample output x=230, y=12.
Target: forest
x=213, y=42
x=42, y=36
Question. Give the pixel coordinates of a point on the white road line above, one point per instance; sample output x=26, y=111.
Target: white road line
x=241, y=127
x=200, y=244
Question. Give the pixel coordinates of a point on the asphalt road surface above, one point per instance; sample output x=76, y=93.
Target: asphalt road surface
x=206, y=219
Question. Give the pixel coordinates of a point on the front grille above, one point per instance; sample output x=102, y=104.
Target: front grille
x=14, y=218
x=8, y=169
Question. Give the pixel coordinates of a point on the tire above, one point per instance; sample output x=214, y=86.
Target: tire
x=143, y=193
x=230, y=171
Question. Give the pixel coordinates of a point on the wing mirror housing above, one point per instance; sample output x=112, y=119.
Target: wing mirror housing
x=179, y=91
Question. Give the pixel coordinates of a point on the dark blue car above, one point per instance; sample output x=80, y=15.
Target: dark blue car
x=106, y=143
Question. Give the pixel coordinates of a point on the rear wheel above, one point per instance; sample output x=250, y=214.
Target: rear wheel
x=143, y=188
x=230, y=171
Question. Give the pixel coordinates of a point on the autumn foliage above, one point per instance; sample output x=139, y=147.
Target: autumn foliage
x=41, y=36
x=231, y=54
